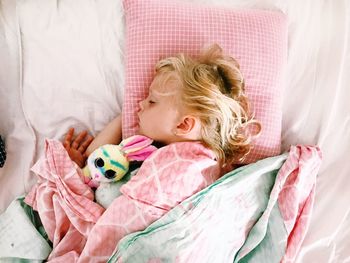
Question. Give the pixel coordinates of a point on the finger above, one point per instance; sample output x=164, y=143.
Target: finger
x=77, y=141
x=85, y=144
x=68, y=138
x=80, y=164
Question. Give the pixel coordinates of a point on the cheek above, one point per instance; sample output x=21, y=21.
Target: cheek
x=148, y=115
x=145, y=120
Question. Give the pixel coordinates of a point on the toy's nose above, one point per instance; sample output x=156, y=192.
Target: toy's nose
x=110, y=174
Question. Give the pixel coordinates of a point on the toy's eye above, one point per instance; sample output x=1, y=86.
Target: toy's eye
x=99, y=162
x=110, y=174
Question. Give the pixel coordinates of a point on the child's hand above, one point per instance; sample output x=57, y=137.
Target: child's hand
x=76, y=148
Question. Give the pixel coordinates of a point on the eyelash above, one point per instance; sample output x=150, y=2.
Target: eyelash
x=151, y=102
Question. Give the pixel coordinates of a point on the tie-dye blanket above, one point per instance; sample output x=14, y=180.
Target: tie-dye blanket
x=256, y=213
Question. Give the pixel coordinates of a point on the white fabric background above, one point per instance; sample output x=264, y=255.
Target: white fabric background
x=61, y=65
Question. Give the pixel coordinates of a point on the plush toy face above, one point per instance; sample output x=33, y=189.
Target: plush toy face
x=107, y=164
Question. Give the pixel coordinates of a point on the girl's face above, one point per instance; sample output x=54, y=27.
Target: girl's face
x=159, y=113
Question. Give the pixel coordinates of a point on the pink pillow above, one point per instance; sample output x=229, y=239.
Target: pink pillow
x=256, y=38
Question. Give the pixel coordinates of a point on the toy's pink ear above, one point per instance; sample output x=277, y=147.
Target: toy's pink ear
x=137, y=147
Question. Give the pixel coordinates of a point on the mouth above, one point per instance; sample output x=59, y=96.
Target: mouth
x=138, y=122
x=138, y=118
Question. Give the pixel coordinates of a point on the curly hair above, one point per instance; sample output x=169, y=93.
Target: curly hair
x=213, y=91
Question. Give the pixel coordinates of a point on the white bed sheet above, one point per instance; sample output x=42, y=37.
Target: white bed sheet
x=61, y=65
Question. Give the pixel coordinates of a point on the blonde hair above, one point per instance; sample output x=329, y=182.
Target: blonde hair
x=213, y=90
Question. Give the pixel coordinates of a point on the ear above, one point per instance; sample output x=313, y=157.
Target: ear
x=187, y=125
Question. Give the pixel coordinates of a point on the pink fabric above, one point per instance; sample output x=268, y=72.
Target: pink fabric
x=64, y=202
x=296, y=198
x=77, y=226
x=256, y=38
x=294, y=190
x=172, y=174
x=137, y=147
x=165, y=179
x=81, y=232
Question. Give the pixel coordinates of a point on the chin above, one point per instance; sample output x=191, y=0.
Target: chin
x=138, y=128
x=141, y=132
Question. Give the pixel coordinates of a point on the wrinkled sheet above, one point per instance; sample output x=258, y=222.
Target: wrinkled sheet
x=257, y=213
x=254, y=213
x=64, y=202
x=61, y=66
x=81, y=230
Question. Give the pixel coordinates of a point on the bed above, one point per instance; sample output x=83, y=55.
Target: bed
x=62, y=65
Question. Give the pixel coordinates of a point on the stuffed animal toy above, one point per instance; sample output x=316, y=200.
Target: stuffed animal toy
x=108, y=164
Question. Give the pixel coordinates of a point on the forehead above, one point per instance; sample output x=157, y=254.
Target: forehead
x=165, y=83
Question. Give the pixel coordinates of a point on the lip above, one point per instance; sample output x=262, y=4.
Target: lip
x=138, y=117
x=138, y=122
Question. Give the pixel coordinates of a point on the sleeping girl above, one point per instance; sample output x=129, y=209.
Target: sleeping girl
x=199, y=100
x=198, y=111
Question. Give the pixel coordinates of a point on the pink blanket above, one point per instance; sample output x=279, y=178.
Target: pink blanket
x=257, y=213
x=81, y=231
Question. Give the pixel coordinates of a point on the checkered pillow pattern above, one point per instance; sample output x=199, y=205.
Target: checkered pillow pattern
x=2, y=152
x=256, y=38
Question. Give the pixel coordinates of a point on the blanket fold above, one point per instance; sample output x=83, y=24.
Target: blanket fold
x=257, y=213
x=254, y=213
x=81, y=231
x=64, y=202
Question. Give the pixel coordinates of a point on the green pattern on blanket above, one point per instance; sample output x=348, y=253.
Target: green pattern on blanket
x=219, y=224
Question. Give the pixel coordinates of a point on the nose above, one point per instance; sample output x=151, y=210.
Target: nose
x=110, y=174
x=141, y=105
